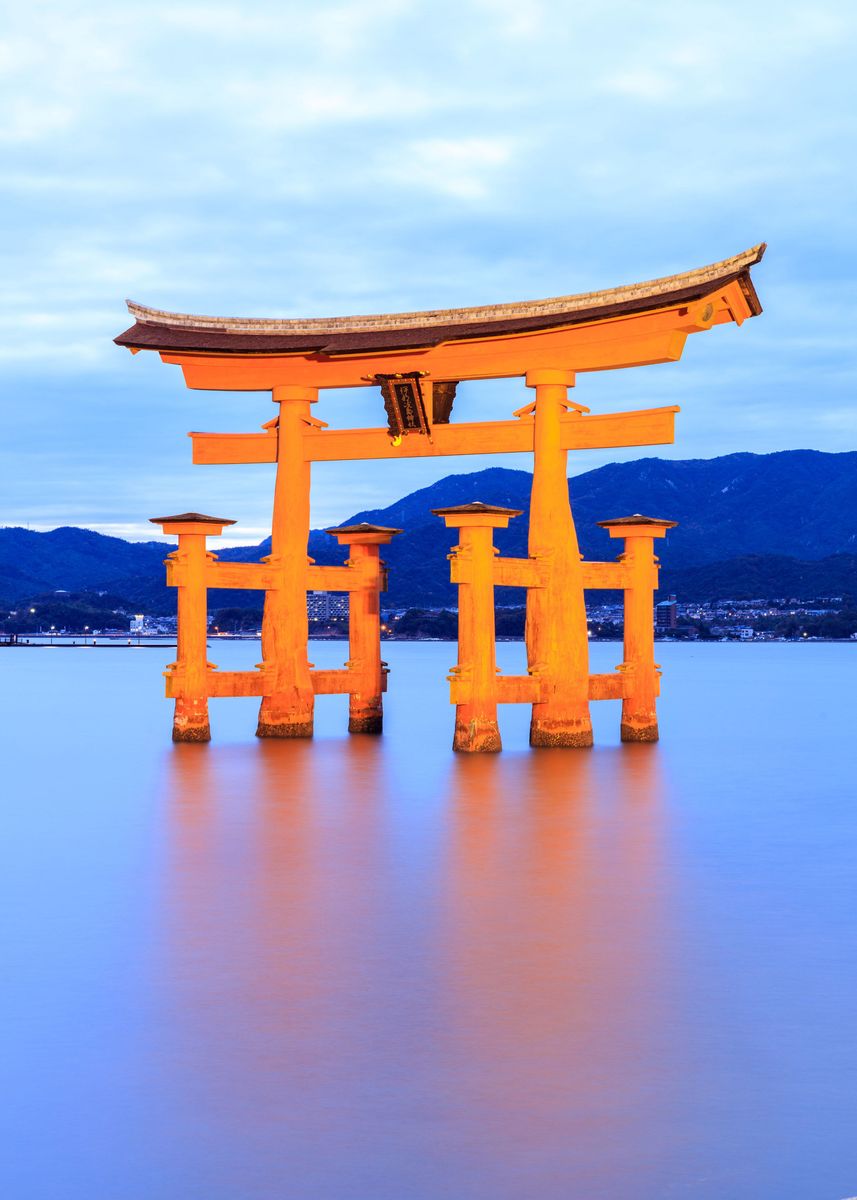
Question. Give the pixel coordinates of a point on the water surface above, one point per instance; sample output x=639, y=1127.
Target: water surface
x=368, y=969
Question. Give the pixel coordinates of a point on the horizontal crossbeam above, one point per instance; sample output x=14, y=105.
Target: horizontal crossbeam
x=517, y=572
x=335, y=682
x=219, y=684
x=237, y=683
x=641, y=340
x=334, y=579
x=517, y=689
x=216, y=448
x=606, y=687
x=222, y=683
x=613, y=575
x=263, y=577
x=525, y=689
x=645, y=427
x=251, y=576
x=530, y=573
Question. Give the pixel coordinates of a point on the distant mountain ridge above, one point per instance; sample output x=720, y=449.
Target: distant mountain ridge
x=70, y=558
x=770, y=516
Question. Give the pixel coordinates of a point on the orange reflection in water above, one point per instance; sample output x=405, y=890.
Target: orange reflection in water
x=557, y=977
x=364, y=970
x=277, y=917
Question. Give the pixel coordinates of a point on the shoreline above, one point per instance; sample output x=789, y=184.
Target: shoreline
x=151, y=644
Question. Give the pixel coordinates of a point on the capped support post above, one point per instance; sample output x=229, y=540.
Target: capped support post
x=187, y=676
x=364, y=541
x=287, y=711
x=642, y=674
x=556, y=632
x=474, y=679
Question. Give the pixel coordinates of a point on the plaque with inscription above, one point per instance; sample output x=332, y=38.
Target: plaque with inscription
x=404, y=403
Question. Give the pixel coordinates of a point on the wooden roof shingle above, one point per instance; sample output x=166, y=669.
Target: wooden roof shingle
x=155, y=329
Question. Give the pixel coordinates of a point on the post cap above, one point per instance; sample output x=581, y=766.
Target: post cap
x=363, y=533
x=476, y=506
x=191, y=522
x=550, y=376
x=283, y=392
x=624, y=526
x=476, y=513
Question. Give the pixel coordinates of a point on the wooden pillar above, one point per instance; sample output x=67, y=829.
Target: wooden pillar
x=557, y=647
x=288, y=711
x=187, y=676
x=474, y=678
x=639, y=705
x=365, y=706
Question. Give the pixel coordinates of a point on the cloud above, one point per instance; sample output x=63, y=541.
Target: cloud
x=371, y=155
x=514, y=19
x=465, y=168
x=641, y=84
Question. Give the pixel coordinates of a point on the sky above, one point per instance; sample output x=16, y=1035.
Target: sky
x=319, y=159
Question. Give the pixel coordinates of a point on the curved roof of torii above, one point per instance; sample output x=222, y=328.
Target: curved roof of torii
x=176, y=332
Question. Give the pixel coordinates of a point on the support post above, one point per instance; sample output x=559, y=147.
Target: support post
x=365, y=706
x=187, y=676
x=288, y=711
x=556, y=635
x=474, y=678
x=639, y=705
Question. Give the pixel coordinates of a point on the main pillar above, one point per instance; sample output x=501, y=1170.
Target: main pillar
x=364, y=541
x=556, y=636
x=642, y=676
x=288, y=711
x=187, y=676
x=475, y=675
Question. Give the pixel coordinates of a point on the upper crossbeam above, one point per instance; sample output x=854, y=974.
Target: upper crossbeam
x=643, y=427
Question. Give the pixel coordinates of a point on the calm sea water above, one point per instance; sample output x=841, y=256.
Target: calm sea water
x=361, y=969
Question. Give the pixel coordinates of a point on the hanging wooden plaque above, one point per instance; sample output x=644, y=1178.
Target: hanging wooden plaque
x=404, y=403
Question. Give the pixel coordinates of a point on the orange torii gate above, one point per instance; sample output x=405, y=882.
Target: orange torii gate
x=418, y=359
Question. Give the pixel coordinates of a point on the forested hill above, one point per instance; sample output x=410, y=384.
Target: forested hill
x=801, y=503
x=781, y=523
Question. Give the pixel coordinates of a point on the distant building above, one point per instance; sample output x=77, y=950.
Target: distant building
x=744, y=632
x=666, y=614
x=326, y=606
x=138, y=623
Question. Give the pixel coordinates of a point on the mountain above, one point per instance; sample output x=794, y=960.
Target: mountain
x=800, y=503
x=770, y=524
x=72, y=559
x=764, y=576
x=736, y=510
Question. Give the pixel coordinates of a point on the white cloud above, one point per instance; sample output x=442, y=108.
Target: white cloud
x=642, y=84
x=378, y=154
x=465, y=168
x=514, y=19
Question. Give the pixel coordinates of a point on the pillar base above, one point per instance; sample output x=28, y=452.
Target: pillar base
x=192, y=733
x=284, y=718
x=366, y=723
x=190, y=720
x=284, y=729
x=564, y=734
x=639, y=732
x=477, y=737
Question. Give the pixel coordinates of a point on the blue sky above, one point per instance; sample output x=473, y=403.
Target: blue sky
x=321, y=159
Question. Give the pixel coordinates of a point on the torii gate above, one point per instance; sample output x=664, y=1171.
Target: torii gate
x=418, y=359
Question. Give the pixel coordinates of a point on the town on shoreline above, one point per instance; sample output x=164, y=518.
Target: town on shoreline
x=73, y=619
